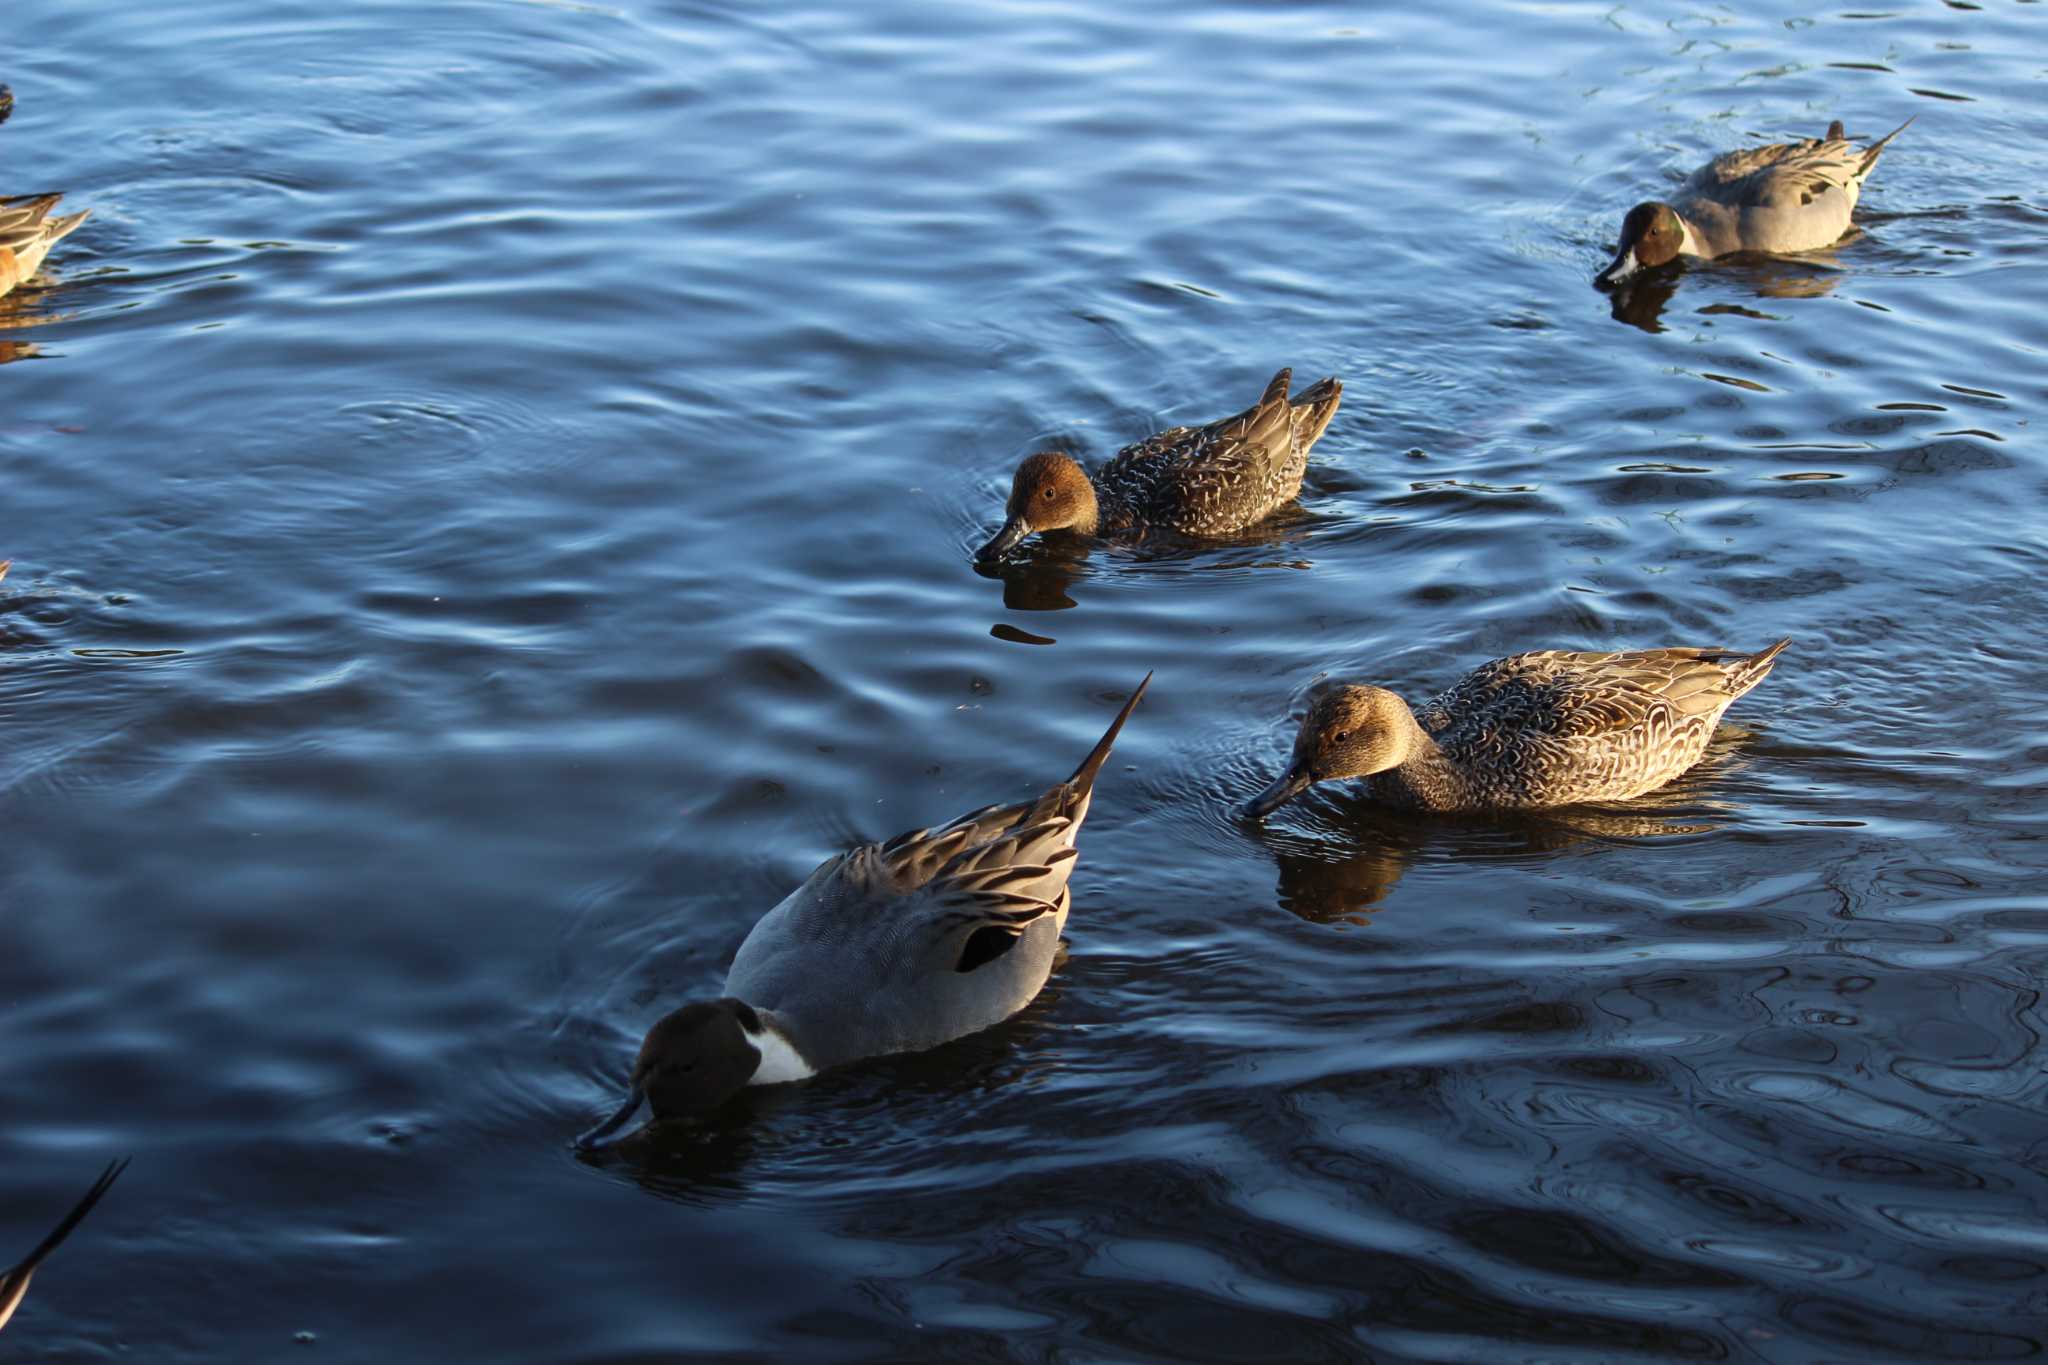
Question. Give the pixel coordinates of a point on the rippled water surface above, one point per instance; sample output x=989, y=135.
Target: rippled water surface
x=491, y=492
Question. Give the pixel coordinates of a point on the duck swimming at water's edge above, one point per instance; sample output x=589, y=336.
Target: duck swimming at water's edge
x=1787, y=197
x=1196, y=481
x=890, y=947
x=1551, y=728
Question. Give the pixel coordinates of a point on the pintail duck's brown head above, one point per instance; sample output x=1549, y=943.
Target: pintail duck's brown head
x=693, y=1060
x=1050, y=493
x=1349, y=731
x=1650, y=236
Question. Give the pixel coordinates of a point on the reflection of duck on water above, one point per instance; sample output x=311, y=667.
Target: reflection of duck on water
x=1348, y=876
x=1641, y=300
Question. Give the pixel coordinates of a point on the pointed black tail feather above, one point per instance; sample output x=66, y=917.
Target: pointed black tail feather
x=1756, y=667
x=1870, y=153
x=1084, y=776
x=1314, y=407
x=1276, y=388
x=76, y=1216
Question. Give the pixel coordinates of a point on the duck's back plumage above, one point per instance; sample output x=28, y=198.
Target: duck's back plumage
x=1216, y=479
x=903, y=945
x=1555, y=727
x=1789, y=196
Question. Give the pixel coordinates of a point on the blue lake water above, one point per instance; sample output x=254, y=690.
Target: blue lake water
x=492, y=489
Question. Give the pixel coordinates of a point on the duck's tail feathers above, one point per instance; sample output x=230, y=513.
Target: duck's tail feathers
x=1313, y=408
x=59, y=228
x=1871, y=153
x=1836, y=133
x=75, y=1217
x=1749, y=672
x=1083, y=780
x=1276, y=389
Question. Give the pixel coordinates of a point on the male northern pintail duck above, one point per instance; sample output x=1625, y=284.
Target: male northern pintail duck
x=27, y=231
x=891, y=947
x=14, y=1283
x=1791, y=196
x=1544, y=729
x=1198, y=481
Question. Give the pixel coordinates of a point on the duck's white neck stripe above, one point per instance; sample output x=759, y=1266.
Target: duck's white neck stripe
x=780, y=1061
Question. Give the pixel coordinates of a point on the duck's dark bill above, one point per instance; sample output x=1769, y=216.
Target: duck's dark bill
x=1285, y=788
x=1009, y=538
x=1618, y=269
x=601, y=1136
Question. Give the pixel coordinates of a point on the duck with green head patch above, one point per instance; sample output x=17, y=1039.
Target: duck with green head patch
x=892, y=947
x=1787, y=197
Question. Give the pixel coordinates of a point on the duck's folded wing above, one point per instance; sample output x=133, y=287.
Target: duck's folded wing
x=22, y=220
x=1566, y=695
x=966, y=921
x=1655, y=688
x=914, y=857
x=1781, y=176
x=1251, y=441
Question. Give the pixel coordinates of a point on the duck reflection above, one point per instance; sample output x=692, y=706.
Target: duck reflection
x=1042, y=578
x=19, y=311
x=1641, y=301
x=1044, y=574
x=1344, y=866
x=1345, y=875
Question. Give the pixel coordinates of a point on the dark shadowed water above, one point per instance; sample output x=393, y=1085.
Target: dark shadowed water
x=491, y=492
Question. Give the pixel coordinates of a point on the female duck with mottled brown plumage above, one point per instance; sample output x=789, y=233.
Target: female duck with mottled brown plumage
x=27, y=231
x=1197, y=481
x=1551, y=728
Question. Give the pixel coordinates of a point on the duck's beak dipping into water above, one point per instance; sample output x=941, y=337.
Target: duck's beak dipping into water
x=1290, y=784
x=1002, y=542
x=603, y=1135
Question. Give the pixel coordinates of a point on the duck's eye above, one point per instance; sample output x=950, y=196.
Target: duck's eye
x=1047, y=495
x=1342, y=735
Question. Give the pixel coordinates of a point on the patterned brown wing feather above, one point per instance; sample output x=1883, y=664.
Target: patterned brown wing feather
x=1556, y=726
x=1222, y=477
